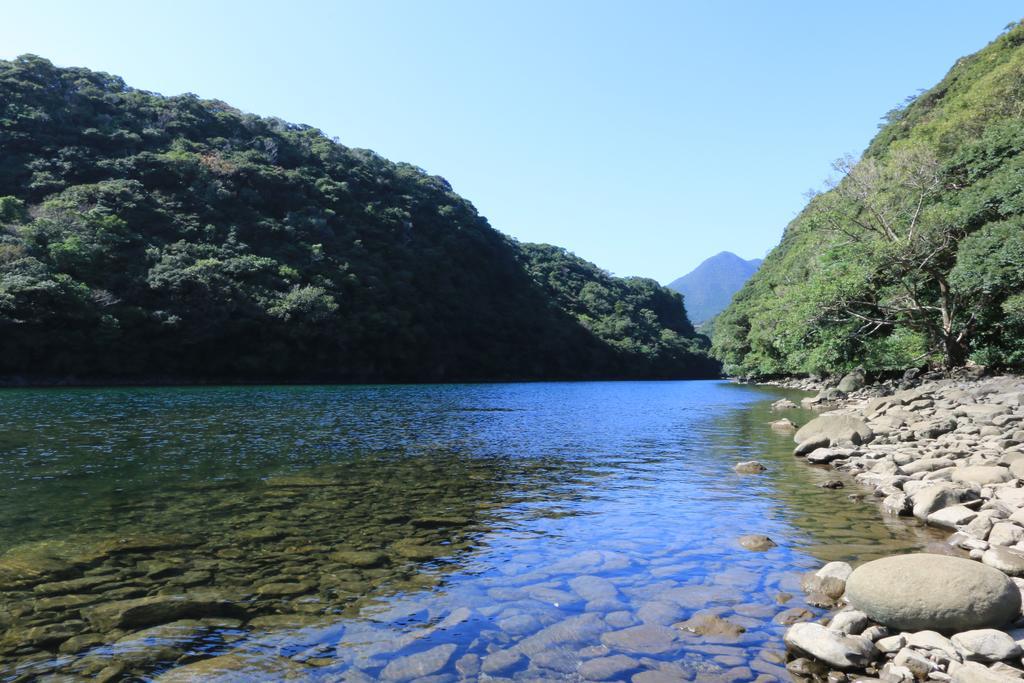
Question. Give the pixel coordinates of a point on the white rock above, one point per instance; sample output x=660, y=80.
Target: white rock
x=836, y=649
x=952, y=516
x=849, y=621
x=987, y=645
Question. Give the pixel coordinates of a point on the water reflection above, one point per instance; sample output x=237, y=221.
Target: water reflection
x=519, y=531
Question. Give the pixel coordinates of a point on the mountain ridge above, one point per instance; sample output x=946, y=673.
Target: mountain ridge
x=143, y=235
x=708, y=288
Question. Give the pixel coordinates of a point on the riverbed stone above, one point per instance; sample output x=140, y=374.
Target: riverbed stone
x=976, y=672
x=783, y=425
x=749, y=467
x=952, y=516
x=235, y=668
x=756, y=542
x=850, y=621
x=933, y=498
x=647, y=639
x=986, y=645
x=1006, y=560
x=610, y=668
x=154, y=610
x=852, y=381
x=983, y=475
x=836, y=649
x=1005, y=533
x=838, y=429
x=418, y=665
x=924, y=591
x=360, y=558
x=710, y=624
x=793, y=615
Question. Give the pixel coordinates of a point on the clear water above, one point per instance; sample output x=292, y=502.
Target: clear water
x=472, y=510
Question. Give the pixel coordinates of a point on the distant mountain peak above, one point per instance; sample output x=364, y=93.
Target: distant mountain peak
x=709, y=287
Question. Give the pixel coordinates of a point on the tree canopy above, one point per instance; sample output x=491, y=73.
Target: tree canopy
x=153, y=237
x=914, y=255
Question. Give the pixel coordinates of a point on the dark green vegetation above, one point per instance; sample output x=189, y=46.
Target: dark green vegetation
x=708, y=288
x=916, y=255
x=175, y=238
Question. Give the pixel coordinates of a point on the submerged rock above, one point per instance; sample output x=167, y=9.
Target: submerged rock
x=923, y=591
x=756, y=542
x=644, y=639
x=157, y=609
x=783, y=425
x=235, y=668
x=419, y=664
x=749, y=467
x=710, y=624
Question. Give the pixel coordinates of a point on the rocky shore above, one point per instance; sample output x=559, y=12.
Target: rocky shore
x=943, y=451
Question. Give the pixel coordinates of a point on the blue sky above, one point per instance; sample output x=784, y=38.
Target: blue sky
x=644, y=136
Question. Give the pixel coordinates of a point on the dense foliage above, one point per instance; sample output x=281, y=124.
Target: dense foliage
x=144, y=236
x=916, y=253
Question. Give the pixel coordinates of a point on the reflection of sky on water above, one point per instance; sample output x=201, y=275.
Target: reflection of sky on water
x=628, y=481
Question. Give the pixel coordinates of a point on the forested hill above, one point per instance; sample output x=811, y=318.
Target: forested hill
x=173, y=238
x=709, y=287
x=916, y=253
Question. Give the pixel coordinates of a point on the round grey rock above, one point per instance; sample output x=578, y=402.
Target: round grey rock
x=923, y=591
x=836, y=428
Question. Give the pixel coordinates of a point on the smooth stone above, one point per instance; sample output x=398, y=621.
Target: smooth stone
x=849, y=621
x=501, y=661
x=923, y=591
x=836, y=649
x=1005, y=533
x=594, y=588
x=783, y=425
x=709, y=624
x=932, y=499
x=1006, y=560
x=793, y=615
x=360, y=558
x=987, y=645
x=974, y=672
x=952, y=516
x=838, y=429
x=607, y=668
x=756, y=542
x=235, y=668
x=154, y=610
x=931, y=640
x=984, y=475
x=644, y=639
x=749, y=467
x=419, y=664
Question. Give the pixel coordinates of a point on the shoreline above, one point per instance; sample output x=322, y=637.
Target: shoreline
x=942, y=451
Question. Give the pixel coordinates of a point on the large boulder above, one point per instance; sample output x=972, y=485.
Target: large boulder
x=853, y=381
x=983, y=475
x=838, y=429
x=834, y=648
x=922, y=591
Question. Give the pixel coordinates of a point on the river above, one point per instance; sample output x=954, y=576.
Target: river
x=540, y=531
